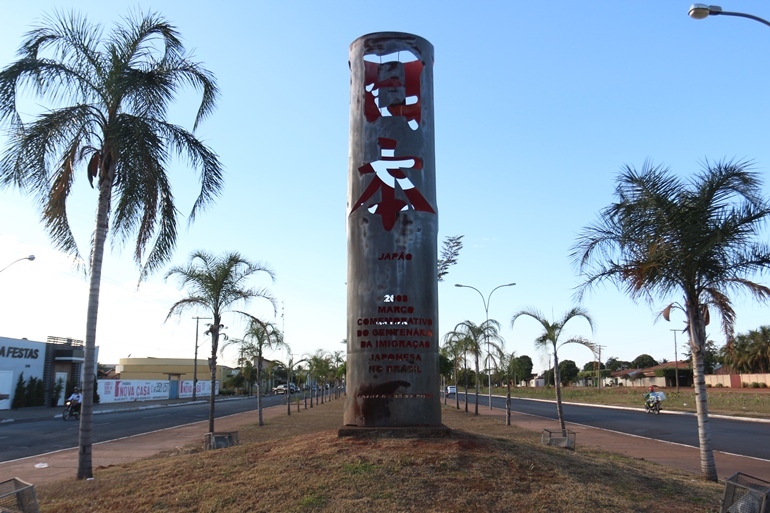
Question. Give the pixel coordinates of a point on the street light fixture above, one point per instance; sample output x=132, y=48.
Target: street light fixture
x=486, y=334
x=30, y=258
x=702, y=11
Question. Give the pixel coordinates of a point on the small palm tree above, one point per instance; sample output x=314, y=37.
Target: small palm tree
x=454, y=348
x=698, y=239
x=508, y=368
x=110, y=98
x=473, y=337
x=258, y=337
x=549, y=339
x=216, y=284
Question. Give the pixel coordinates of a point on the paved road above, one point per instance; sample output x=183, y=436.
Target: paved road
x=24, y=439
x=729, y=435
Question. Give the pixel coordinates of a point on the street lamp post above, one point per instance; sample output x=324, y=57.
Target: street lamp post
x=702, y=11
x=30, y=258
x=486, y=334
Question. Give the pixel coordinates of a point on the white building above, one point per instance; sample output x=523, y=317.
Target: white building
x=48, y=362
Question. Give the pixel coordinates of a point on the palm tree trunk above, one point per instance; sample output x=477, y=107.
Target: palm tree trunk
x=259, y=387
x=85, y=436
x=477, y=385
x=508, y=405
x=557, y=384
x=698, y=335
x=457, y=396
x=213, y=368
x=466, y=382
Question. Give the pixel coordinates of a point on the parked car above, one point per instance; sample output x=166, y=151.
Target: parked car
x=281, y=389
x=451, y=389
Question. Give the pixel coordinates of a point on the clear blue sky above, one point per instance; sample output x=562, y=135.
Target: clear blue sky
x=537, y=107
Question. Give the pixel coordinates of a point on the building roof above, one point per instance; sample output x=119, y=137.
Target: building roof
x=649, y=372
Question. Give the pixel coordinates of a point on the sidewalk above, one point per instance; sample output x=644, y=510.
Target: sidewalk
x=42, y=469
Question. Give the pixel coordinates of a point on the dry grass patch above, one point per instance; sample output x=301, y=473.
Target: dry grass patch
x=298, y=464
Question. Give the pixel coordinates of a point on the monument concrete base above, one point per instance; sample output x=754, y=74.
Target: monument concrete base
x=394, y=432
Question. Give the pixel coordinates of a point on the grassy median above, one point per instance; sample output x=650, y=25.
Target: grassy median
x=298, y=464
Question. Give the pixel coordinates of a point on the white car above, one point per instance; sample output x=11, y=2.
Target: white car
x=281, y=389
x=451, y=389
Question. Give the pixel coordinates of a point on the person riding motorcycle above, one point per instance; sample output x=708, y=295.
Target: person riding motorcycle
x=651, y=398
x=75, y=399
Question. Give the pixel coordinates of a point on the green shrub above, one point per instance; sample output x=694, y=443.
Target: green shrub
x=20, y=395
x=719, y=385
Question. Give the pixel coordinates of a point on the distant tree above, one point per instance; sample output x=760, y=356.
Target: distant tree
x=259, y=336
x=592, y=366
x=449, y=253
x=568, y=371
x=20, y=394
x=525, y=365
x=748, y=352
x=453, y=348
x=643, y=361
x=474, y=337
x=614, y=364
x=446, y=366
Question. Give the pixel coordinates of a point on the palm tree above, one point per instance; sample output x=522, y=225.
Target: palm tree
x=258, y=337
x=217, y=284
x=697, y=239
x=454, y=348
x=337, y=366
x=472, y=337
x=749, y=352
x=110, y=99
x=549, y=339
x=508, y=364
x=319, y=365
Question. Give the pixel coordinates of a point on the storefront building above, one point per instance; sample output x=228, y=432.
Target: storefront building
x=58, y=360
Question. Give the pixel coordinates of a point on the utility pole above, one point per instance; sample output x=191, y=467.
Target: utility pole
x=598, y=365
x=195, y=361
x=676, y=362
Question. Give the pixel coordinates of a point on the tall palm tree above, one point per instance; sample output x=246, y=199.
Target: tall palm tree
x=696, y=239
x=217, y=284
x=473, y=338
x=549, y=339
x=108, y=100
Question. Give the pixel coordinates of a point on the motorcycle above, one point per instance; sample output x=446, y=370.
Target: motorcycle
x=652, y=402
x=70, y=410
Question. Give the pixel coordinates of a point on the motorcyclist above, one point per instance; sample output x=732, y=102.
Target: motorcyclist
x=651, y=397
x=75, y=400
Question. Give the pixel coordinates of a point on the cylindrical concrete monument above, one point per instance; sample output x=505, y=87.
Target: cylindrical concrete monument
x=392, y=229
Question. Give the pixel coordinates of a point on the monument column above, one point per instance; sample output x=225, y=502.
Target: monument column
x=392, y=230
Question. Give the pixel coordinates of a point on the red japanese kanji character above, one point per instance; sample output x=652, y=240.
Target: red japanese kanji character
x=388, y=171
x=393, y=89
